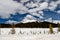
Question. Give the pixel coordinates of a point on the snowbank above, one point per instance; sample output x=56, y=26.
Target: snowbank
x=30, y=36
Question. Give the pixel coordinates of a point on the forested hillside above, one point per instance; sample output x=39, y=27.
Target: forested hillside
x=30, y=25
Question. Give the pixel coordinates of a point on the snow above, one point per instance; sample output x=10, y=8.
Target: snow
x=26, y=21
x=56, y=21
x=27, y=35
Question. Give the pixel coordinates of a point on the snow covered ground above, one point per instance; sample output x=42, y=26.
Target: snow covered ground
x=29, y=34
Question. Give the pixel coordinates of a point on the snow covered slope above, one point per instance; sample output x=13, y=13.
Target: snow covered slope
x=27, y=35
x=28, y=18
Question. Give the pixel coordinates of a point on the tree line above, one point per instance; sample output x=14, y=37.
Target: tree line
x=29, y=25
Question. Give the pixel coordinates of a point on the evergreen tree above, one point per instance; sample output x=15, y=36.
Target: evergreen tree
x=13, y=30
x=58, y=27
x=51, y=29
x=44, y=31
x=40, y=32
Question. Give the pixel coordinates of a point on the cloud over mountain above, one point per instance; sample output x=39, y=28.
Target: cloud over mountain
x=32, y=7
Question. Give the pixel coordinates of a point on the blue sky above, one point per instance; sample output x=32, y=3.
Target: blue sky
x=23, y=10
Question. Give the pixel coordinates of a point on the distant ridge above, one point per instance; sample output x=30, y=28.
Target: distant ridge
x=5, y=25
x=30, y=25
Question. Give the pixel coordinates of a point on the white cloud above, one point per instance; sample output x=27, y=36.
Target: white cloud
x=36, y=14
x=56, y=21
x=49, y=20
x=28, y=18
x=22, y=9
x=39, y=14
x=11, y=21
x=58, y=2
x=58, y=11
x=52, y=6
x=22, y=1
x=31, y=5
x=41, y=6
x=8, y=7
x=46, y=0
x=37, y=1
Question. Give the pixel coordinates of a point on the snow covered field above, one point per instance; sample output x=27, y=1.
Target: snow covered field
x=29, y=34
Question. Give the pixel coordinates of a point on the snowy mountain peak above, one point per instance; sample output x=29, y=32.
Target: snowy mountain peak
x=28, y=18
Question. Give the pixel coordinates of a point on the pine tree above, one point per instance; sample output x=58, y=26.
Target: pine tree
x=44, y=31
x=13, y=30
x=58, y=27
x=51, y=29
x=40, y=32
